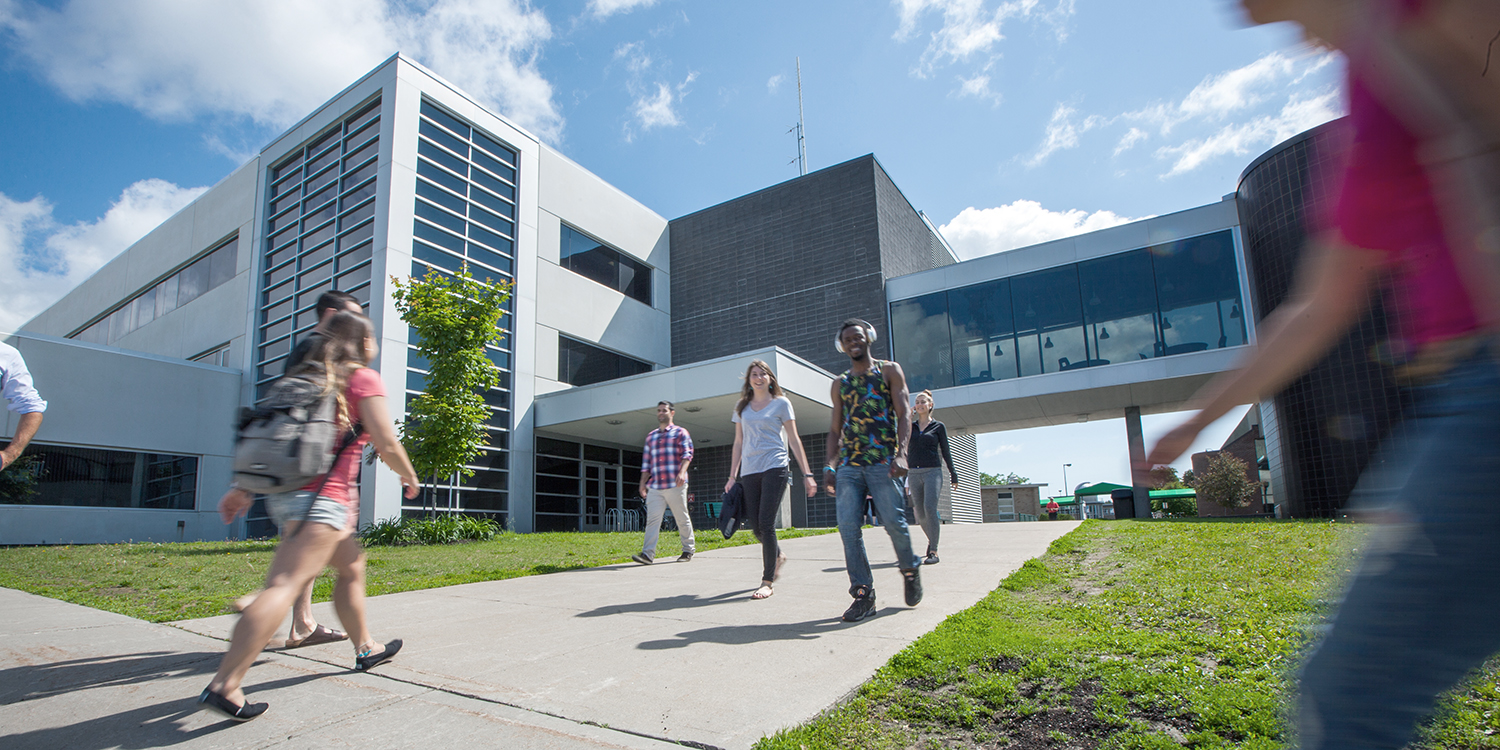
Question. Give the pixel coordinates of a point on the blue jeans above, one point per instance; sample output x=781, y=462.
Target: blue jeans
x=1423, y=608
x=850, y=486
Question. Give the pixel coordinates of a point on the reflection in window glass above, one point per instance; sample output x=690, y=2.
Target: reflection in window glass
x=1119, y=307
x=595, y=260
x=1197, y=284
x=983, y=332
x=921, y=340
x=1049, y=320
x=98, y=478
x=583, y=364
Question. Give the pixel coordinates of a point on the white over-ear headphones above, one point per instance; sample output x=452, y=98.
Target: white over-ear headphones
x=869, y=330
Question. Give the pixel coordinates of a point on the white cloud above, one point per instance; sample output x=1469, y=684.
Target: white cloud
x=1128, y=141
x=979, y=88
x=1062, y=133
x=997, y=450
x=657, y=109
x=607, y=8
x=1240, y=139
x=981, y=231
x=1242, y=97
x=42, y=261
x=272, y=61
x=774, y=83
x=970, y=30
x=634, y=55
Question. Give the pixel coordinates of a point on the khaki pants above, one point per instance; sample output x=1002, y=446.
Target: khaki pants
x=657, y=501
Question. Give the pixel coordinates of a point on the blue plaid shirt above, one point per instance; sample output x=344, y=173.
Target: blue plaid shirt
x=667, y=449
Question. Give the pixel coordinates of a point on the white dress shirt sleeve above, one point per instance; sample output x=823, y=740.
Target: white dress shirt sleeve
x=15, y=382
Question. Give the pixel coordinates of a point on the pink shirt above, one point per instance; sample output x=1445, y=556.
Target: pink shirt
x=1386, y=205
x=363, y=384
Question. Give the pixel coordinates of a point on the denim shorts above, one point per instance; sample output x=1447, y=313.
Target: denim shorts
x=286, y=507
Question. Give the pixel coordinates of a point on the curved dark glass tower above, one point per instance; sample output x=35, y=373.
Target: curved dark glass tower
x=1327, y=424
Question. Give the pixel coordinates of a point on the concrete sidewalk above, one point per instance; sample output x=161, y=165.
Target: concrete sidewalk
x=623, y=656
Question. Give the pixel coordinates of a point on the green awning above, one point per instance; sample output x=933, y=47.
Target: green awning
x=1186, y=492
x=1101, y=488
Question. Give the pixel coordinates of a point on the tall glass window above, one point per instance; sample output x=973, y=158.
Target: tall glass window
x=595, y=260
x=320, y=210
x=99, y=478
x=1170, y=299
x=1119, y=307
x=1198, y=288
x=1049, y=320
x=207, y=271
x=584, y=364
x=464, y=215
x=920, y=327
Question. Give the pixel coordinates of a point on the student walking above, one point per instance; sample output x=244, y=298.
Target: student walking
x=305, y=630
x=764, y=428
x=1415, y=210
x=21, y=397
x=929, y=452
x=664, y=479
x=318, y=530
x=867, y=438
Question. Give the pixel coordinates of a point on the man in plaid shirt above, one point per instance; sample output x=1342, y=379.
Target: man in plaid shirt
x=664, y=475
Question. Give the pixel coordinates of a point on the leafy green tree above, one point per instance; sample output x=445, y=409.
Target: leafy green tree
x=1011, y=478
x=1188, y=478
x=454, y=317
x=1225, y=481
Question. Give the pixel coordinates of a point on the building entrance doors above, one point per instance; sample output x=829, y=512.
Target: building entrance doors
x=601, y=494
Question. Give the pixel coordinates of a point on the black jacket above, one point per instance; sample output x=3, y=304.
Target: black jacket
x=732, y=510
x=928, y=449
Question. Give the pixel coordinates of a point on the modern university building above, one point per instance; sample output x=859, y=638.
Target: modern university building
x=147, y=363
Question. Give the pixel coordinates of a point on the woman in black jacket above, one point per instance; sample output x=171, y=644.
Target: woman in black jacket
x=928, y=452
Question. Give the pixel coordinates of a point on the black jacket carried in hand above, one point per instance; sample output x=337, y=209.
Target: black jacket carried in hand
x=732, y=510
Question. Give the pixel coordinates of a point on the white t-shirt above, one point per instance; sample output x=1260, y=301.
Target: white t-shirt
x=763, y=442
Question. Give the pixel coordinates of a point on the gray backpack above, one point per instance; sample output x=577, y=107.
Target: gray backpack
x=287, y=441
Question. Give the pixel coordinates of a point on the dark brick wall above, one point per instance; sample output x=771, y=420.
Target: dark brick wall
x=784, y=265
x=1330, y=421
x=906, y=244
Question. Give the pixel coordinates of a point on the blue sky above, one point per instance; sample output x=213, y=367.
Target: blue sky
x=1007, y=123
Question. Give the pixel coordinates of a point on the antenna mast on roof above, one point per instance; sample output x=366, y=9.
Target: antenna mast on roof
x=801, y=127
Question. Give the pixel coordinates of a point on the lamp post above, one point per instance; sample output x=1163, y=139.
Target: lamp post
x=1066, y=488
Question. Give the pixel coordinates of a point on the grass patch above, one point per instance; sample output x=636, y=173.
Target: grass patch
x=163, y=582
x=1130, y=636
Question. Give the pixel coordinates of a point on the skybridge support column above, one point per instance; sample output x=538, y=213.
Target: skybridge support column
x=1137, y=445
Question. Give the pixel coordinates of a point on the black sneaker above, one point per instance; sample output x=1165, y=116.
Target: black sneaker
x=931, y=559
x=686, y=557
x=913, y=586
x=863, y=606
x=211, y=701
x=371, y=659
x=641, y=558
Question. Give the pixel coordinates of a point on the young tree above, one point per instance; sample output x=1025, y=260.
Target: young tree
x=455, y=317
x=1188, y=478
x=1011, y=478
x=1225, y=481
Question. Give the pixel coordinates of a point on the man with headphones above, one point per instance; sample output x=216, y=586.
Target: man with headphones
x=866, y=452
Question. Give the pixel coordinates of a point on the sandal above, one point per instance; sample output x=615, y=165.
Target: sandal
x=764, y=592
x=320, y=635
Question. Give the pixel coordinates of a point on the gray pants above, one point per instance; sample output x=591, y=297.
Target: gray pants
x=926, y=485
x=657, y=502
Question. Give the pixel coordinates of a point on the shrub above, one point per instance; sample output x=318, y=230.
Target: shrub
x=444, y=529
x=1225, y=481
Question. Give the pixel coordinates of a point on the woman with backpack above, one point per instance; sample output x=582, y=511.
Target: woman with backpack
x=764, y=428
x=318, y=522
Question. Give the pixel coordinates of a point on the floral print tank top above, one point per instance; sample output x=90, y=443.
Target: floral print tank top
x=869, y=434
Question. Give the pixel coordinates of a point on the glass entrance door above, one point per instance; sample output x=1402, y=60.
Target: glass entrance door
x=601, y=494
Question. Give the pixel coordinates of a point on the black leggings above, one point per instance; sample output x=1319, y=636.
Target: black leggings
x=762, y=501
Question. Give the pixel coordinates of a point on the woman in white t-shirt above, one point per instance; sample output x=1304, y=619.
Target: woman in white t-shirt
x=764, y=427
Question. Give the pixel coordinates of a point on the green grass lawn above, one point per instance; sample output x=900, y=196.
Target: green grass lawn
x=1130, y=635
x=163, y=582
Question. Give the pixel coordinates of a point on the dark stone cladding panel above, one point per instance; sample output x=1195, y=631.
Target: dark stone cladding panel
x=906, y=244
x=784, y=265
x=1333, y=418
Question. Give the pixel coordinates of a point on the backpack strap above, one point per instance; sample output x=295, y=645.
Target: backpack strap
x=350, y=438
